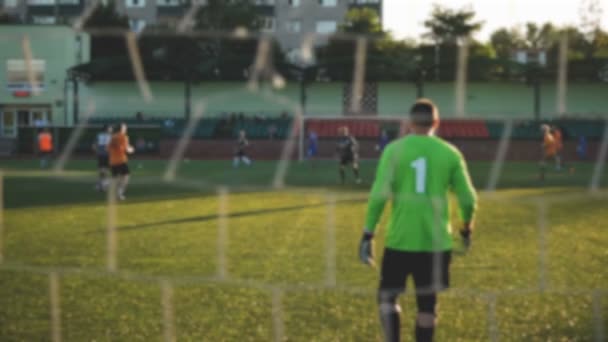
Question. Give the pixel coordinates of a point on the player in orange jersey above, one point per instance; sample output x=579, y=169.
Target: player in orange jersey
x=45, y=147
x=549, y=148
x=118, y=148
x=559, y=146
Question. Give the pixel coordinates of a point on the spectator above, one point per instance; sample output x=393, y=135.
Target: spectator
x=139, y=116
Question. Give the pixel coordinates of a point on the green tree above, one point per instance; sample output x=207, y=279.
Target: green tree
x=8, y=19
x=543, y=37
x=105, y=16
x=221, y=15
x=362, y=21
x=385, y=58
x=448, y=25
x=504, y=41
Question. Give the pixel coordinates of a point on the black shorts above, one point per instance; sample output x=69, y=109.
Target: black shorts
x=348, y=159
x=103, y=162
x=431, y=271
x=120, y=170
x=240, y=154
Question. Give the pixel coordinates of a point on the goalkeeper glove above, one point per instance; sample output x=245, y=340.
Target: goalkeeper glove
x=366, y=253
x=465, y=234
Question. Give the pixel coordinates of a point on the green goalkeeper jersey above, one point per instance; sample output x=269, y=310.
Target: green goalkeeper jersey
x=416, y=173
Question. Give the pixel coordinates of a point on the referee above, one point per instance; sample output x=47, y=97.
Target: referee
x=416, y=173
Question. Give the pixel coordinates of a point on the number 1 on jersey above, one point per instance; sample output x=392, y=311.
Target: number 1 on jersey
x=420, y=166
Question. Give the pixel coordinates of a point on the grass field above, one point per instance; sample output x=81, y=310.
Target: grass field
x=527, y=278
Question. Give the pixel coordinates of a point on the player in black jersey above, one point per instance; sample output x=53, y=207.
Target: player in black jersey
x=240, y=150
x=348, y=149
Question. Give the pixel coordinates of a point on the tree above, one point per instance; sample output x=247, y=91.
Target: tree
x=362, y=21
x=105, y=16
x=504, y=41
x=543, y=37
x=386, y=58
x=8, y=19
x=221, y=15
x=448, y=25
x=591, y=18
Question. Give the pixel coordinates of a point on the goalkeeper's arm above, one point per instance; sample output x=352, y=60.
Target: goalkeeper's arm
x=380, y=193
x=467, y=198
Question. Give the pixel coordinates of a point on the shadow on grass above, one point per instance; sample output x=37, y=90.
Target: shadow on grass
x=248, y=213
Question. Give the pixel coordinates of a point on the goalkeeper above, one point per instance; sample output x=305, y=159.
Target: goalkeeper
x=416, y=173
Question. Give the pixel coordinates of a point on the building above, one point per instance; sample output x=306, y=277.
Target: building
x=289, y=20
x=43, y=96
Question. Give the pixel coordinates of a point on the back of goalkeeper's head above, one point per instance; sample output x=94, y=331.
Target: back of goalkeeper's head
x=424, y=116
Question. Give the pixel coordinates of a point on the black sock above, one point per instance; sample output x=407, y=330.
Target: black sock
x=424, y=334
x=342, y=175
x=391, y=325
x=356, y=172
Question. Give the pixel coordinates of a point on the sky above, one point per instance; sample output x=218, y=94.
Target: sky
x=405, y=17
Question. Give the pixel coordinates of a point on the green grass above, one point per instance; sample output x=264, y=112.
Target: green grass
x=277, y=246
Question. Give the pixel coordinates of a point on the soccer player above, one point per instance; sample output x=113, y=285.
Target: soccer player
x=45, y=147
x=559, y=146
x=100, y=147
x=241, y=153
x=549, y=149
x=416, y=172
x=313, y=144
x=118, y=148
x=383, y=140
x=348, y=153
x=581, y=148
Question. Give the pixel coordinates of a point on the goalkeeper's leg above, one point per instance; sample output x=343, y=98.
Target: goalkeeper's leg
x=426, y=318
x=390, y=314
x=392, y=283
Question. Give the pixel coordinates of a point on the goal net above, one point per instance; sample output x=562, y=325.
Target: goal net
x=220, y=239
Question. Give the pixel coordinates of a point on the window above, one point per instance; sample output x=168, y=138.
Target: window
x=137, y=25
x=326, y=26
x=41, y=2
x=17, y=74
x=264, y=2
x=268, y=24
x=293, y=26
x=135, y=3
x=293, y=3
x=10, y=3
x=362, y=2
x=167, y=2
x=51, y=2
x=44, y=20
x=328, y=3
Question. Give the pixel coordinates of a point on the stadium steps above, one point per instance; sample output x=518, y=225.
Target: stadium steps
x=358, y=128
x=464, y=129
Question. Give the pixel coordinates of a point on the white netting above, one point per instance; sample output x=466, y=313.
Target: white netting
x=294, y=145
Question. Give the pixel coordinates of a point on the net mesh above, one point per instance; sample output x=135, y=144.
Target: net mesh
x=238, y=254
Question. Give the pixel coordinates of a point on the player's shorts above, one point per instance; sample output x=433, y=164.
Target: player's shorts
x=348, y=159
x=240, y=153
x=312, y=151
x=46, y=154
x=431, y=271
x=103, y=162
x=120, y=170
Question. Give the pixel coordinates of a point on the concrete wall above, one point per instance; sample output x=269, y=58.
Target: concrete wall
x=325, y=99
x=58, y=46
